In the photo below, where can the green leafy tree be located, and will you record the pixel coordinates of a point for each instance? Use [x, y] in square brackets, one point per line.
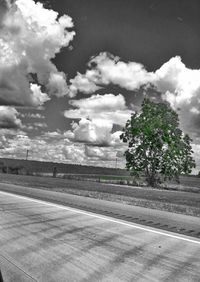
[157, 148]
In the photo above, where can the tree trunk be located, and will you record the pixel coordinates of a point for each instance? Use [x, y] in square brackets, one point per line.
[151, 180]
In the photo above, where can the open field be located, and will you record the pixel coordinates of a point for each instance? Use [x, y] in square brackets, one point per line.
[91, 173]
[174, 201]
[47, 167]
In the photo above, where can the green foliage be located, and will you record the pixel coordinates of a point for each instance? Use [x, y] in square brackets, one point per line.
[157, 148]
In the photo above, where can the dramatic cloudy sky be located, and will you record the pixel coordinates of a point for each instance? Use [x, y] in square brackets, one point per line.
[73, 71]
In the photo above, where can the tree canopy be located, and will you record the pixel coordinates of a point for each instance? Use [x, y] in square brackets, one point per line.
[157, 148]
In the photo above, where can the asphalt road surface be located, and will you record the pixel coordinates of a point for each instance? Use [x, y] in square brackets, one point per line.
[42, 241]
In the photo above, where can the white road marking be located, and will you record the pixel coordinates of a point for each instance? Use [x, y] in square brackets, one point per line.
[137, 226]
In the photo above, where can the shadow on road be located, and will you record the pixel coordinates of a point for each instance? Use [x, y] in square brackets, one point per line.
[1, 277]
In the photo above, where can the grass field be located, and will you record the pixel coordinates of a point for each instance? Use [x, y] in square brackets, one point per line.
[97, 174]
[187, 184]
[174, 201]
[47, 167]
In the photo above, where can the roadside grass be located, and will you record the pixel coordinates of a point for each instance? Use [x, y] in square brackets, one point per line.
[116, 177]
[172, 201]
[187, 184]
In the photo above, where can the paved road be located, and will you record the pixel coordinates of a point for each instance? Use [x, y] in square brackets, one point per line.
[177, 223]
[41, 241]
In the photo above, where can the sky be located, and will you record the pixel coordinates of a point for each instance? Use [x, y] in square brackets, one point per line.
[73, 71]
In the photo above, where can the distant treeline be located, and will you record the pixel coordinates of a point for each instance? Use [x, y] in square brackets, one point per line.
[30, 167]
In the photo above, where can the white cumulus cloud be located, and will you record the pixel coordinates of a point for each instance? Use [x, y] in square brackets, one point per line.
[97, 115]
[101, 154]
[106, 69]
[178, 84]
[9, 118]
[94, 132]
[30, 37]
[108, 108]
